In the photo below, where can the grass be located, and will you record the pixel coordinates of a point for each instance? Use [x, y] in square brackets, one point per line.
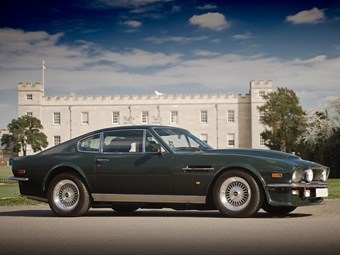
[5, 171]
[10, 195]
[334, 188]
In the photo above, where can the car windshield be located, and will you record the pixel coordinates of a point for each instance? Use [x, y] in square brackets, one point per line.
[181, 140]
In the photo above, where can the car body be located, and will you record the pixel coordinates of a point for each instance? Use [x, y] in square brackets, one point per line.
[152, 166]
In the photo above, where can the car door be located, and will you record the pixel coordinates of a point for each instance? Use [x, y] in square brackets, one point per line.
[193, 172]
[129, 165]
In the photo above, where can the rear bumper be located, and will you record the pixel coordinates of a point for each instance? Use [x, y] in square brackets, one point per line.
[296, 194]
[21, 179]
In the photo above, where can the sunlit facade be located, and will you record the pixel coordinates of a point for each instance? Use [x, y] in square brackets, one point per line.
[222, 120]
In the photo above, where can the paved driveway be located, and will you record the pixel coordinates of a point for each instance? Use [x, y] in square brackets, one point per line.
[35, 230]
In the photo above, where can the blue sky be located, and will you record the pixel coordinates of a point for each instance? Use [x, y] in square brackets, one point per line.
[108, 47]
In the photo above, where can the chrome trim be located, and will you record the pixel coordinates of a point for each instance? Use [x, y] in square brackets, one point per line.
[21, 179]
[148, 198]
[187, 168]
[298, 185]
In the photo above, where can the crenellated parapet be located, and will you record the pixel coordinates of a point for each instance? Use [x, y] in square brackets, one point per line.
[261, 84]
[28, 86]
[145, 99]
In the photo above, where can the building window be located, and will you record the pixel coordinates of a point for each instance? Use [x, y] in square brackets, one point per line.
[56, 140]
[204, 138]
[262, 141]
[204, 116]
[84, 118]
[29, 97]
[56, 118]
[262, 115]
[145, 117]
[115, 118]
[174, 117]
[231, 140]
[262, 94]
[231, 116]
[29, 114]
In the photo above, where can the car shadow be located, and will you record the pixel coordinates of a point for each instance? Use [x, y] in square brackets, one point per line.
[46, 213]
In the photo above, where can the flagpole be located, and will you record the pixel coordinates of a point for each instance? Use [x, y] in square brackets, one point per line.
[43, 76]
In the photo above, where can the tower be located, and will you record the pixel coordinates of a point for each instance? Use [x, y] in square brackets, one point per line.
[30, 99]
[257, 91]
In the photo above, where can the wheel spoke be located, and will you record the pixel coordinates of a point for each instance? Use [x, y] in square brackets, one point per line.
[235, 193]
[66, 195]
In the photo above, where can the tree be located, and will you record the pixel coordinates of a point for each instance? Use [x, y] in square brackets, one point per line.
[318, 130]
[284, 119]
[24, 131]
[321, 140]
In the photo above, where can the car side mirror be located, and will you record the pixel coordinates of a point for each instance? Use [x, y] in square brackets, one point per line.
[155, 147]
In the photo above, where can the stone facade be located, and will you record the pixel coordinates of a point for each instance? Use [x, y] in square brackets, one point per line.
[223, 120]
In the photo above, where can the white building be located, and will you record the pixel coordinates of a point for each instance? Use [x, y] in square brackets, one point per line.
[223, 120]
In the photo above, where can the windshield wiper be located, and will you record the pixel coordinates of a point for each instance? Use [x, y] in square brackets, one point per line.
[188, 149]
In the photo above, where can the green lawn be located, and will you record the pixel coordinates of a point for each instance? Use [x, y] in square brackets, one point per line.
[9, 193]
[334, 188]
[5, 171]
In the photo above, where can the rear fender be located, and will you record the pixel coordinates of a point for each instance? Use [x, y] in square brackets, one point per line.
[61, 168]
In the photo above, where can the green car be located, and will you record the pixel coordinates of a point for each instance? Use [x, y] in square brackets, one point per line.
[132, 167]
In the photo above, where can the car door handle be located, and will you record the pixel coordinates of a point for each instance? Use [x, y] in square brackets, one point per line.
[102, 160]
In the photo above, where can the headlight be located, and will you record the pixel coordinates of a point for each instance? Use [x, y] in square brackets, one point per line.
[297, 175]
[308, 175]
[324, 175]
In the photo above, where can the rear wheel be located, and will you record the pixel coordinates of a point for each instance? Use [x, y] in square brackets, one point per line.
[237, 194]
[68, 196]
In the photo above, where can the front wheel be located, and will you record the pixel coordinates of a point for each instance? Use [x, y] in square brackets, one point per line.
[68, 196]
[237, 194]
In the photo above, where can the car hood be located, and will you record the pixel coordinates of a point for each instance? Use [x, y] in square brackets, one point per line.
[256, 153]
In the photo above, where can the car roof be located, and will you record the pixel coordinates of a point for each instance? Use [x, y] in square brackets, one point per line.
[127, 127]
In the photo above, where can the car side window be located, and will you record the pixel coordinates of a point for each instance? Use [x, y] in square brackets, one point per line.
[90, 144]
[123, 141]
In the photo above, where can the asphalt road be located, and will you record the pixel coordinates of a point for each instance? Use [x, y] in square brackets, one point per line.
[35, 230]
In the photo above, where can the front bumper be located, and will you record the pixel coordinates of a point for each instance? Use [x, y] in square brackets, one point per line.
[297, 194]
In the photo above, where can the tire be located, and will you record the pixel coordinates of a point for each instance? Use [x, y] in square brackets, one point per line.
[237, 194]
[277, 210]
[125, 208]
[68, 196]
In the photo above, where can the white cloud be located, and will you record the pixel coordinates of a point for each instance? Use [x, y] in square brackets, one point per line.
[205, 53]
[175, 39]
[132, 23]
[245, 36]
[316, 59]
[4, 107]
[86, 66]
[137, 58]
[312, 16]
[213, 21]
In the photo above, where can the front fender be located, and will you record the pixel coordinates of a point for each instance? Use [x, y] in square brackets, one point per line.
[243, 166]
[246, 167]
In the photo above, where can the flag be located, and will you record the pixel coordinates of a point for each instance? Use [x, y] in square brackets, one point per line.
[44, 66]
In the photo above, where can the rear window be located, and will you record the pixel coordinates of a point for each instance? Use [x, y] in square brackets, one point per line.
[90, 144]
